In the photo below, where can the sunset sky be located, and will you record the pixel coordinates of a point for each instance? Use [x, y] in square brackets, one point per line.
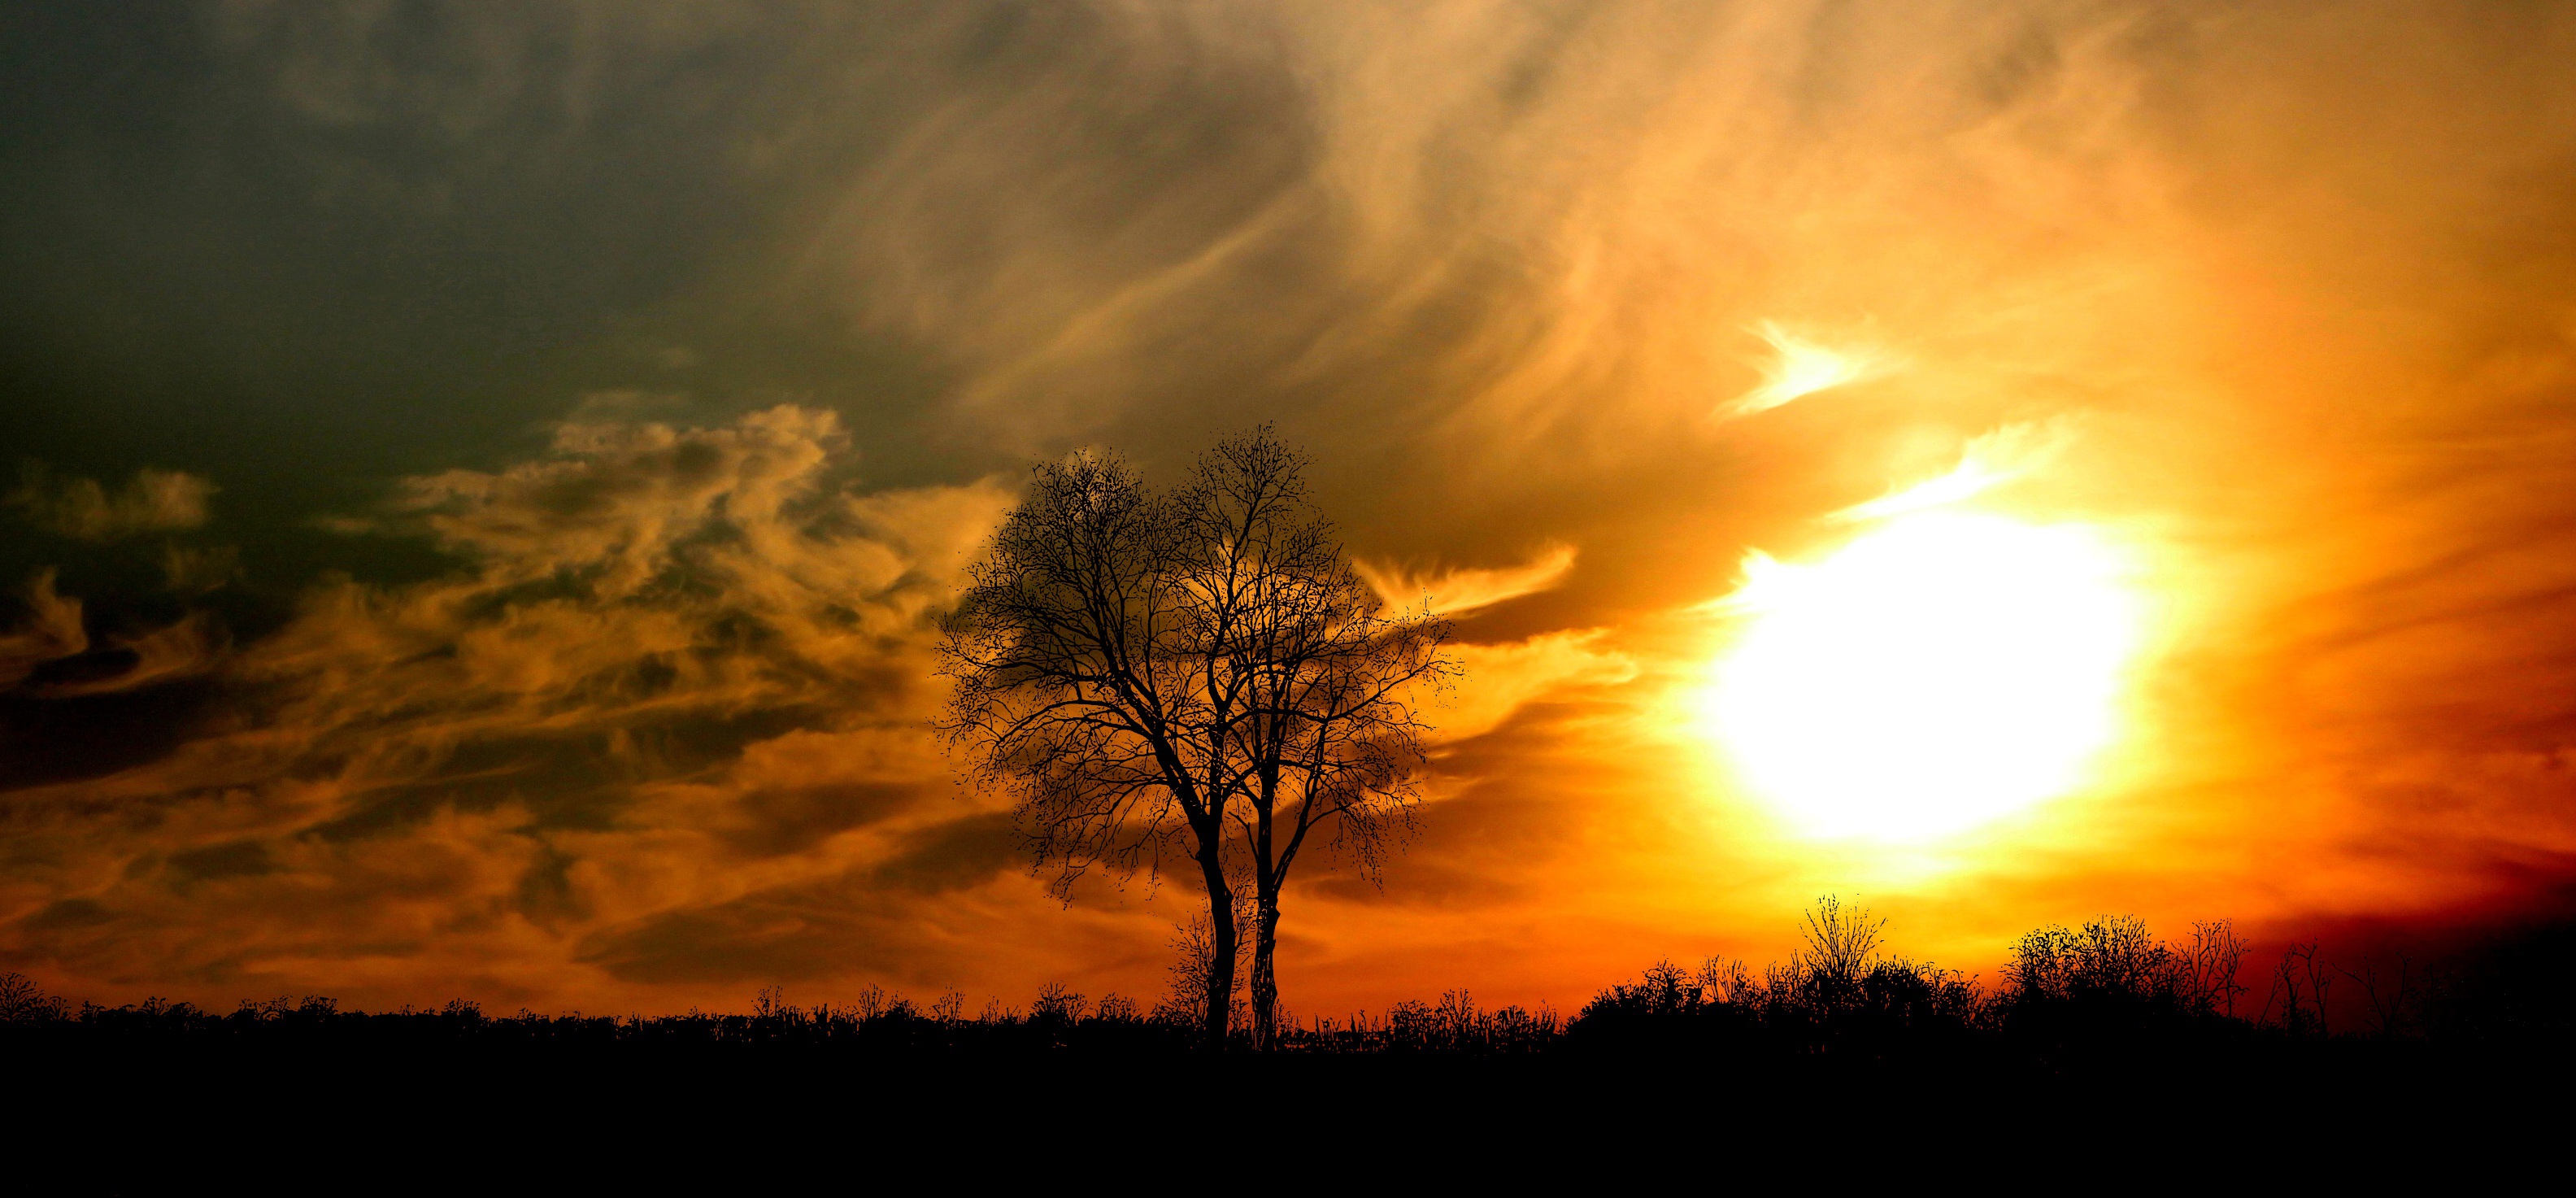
[485, 477]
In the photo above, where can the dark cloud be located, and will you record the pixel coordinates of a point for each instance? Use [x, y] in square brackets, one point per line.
[52, 630]
[153, 501]
[954, 855]
[792, 819]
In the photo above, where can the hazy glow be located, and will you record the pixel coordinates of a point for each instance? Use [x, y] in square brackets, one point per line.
[1932, 675]
[1799, 367]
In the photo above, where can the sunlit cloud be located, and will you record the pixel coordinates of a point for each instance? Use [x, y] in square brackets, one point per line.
[1465, 590]
[1989, 461]
[1799, 367]
[1507, 677]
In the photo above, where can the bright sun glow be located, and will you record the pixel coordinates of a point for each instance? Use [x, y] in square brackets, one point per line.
[1938, 672]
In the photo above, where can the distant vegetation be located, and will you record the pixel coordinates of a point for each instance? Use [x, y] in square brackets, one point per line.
[2069, 999]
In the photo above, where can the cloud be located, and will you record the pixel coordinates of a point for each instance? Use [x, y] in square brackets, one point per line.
[152, 501]
[1461, 591]
[1502, 679]
[674, 666]
[197, 569]
[1799, 368]
[1989, 460]
[51, 631]
[192, 646]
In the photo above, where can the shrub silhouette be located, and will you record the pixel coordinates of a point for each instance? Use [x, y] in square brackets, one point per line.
[2109, 982]
[1839, 996]
[22, 1002]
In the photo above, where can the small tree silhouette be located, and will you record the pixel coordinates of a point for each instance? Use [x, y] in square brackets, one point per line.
[23, 1001]
[2300, 984]
[2216, 955]
[2392, 998]
[1841, 945]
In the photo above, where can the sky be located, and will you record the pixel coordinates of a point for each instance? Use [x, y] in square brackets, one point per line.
[486, 477]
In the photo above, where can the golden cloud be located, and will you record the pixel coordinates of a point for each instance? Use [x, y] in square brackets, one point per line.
[599, 716]
[1461, 590]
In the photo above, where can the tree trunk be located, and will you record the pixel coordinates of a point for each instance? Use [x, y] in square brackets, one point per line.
[1265, 981]
[1221, 951]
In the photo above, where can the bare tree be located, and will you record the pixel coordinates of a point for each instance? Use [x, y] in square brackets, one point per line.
[1196, 674]
[2393, 1002]
[2216, 954]
[2300, 984]
[1840, 944]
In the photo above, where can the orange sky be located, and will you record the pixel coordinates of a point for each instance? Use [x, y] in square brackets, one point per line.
[565, 428]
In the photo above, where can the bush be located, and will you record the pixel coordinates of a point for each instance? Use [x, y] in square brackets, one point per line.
[1838, 996]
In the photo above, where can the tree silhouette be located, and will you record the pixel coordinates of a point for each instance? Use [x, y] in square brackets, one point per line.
[1197, 674]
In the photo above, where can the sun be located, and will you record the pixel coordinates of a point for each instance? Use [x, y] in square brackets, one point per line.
[1942, 670]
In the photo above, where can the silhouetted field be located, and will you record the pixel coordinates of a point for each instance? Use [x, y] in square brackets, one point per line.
[2101, 1021]
[2067, 998]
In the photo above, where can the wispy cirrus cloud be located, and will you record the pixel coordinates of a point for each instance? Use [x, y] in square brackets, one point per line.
[1464, 590]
